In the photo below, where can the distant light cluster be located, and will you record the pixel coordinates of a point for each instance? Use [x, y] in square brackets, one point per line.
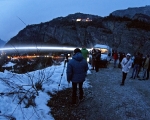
[83, 20]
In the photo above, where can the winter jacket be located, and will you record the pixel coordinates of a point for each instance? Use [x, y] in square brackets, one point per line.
[126, 65]
[77, 68]
[85, 53]
[138, 60]
[98, 55]
[93, 54]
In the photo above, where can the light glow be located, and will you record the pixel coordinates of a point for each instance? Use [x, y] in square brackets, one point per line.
[41, 48]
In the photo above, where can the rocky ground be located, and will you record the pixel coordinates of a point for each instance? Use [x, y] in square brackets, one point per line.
[106, 99]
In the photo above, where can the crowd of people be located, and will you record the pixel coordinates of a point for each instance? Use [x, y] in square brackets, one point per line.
[138, 62]
[77, 67]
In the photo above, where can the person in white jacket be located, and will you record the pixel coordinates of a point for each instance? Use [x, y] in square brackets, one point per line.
[126, 64]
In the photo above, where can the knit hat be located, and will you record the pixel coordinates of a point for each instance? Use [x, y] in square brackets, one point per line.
[77, 50]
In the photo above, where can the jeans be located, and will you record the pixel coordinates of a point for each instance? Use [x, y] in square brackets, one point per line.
[115, 62]
[135, 70]
[144, 73]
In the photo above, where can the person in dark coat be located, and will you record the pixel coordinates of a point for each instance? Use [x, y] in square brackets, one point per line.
[76, 73]
[141, 64]
[136, 67]
[93, 58]
[97, 60]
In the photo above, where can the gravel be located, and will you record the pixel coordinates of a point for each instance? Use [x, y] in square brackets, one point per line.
[105, 99]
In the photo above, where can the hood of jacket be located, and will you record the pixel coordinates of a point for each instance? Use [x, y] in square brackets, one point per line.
[78, 56]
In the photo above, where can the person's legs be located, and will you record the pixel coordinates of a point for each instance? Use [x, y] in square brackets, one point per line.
[123, 77]
[147, 77]
[115, 61]
[93, 64]
[139, 69]
[133, 72]
[96, 66]
[74, 92]
[144, 73]
[80, 91]
[136, 71]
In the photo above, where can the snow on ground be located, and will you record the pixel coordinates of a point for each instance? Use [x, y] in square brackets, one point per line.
[51, 77]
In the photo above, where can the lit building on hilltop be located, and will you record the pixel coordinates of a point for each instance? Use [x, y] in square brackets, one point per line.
[83, 20]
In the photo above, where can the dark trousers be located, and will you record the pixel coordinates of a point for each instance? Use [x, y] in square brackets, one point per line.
[147, 77]
[97, 65]
[135, 71]
[93, 64]
[124, 75]
[74, 91]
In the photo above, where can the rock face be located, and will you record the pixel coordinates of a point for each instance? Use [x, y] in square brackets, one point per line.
[120, 30]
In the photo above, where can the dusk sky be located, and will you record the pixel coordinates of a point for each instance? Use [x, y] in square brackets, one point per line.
[16, 14]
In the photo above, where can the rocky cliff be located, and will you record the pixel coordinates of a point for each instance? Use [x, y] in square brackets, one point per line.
[122, 33]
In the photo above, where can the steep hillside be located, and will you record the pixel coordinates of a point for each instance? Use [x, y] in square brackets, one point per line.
[121, 33]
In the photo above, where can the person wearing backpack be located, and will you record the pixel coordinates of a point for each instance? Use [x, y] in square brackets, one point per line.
[97, 59]
[93, 58]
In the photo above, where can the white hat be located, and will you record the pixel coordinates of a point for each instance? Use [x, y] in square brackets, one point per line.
[128, 54]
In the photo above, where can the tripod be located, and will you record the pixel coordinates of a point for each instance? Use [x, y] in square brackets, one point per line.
[65, 62]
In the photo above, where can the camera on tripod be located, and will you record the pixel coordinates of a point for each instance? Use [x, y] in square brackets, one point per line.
[66, 57]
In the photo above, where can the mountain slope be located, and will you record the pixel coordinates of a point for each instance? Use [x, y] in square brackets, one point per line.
[121, 33]
[130, 12]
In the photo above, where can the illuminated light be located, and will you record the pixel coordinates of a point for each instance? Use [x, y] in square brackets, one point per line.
[79, 19]
[8, 57]
[41, 48]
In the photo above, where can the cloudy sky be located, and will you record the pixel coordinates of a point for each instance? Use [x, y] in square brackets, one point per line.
[16, 14]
